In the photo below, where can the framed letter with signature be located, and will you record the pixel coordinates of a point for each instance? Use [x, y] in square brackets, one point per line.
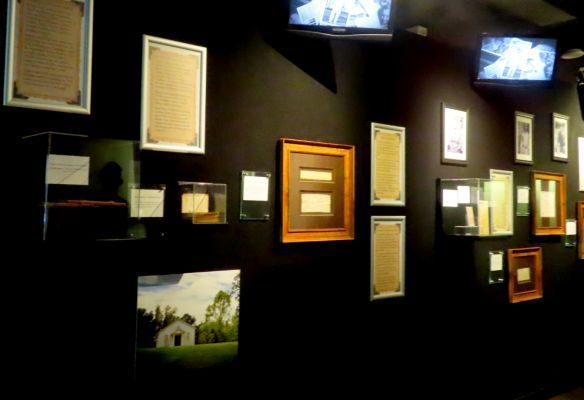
[48, 55]
[318, 191]
[525, 267]
[387, 257]
[388, 151]
[173, 96]
[548, 191]
[454, 135]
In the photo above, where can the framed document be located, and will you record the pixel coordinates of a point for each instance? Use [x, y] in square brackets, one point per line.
[580, 206]
[522, 201]
[496, 261]
[255, 201]
[501, 196]
[318, 191]
[525, 281]
[173, 96]
[548, 199]
[387, 257]
[388, 150]
[48, 55]
[581, 164]
[454, 135]
[523, 138]
[560, 127]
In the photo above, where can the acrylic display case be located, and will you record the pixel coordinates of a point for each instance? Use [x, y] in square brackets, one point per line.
[203, 203]
[77, 187]
[474, 207]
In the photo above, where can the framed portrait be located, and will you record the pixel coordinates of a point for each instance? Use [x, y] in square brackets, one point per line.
[317, 191]
[560, 126]
[580, 206]
[173, 96]
[454, 135]
[48, 55]
[387, 257]
[525, 274]
[523, 138]
[548, 199]
[502, 198]
[388, 150]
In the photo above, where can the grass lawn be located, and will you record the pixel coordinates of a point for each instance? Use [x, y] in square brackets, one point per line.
[171, 359]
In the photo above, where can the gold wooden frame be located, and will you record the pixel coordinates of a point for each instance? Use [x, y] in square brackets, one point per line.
[580, 206]
[560, 227]
[513, 257]
[344, 232]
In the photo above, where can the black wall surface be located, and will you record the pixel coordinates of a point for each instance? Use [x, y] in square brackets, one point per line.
[305, 309]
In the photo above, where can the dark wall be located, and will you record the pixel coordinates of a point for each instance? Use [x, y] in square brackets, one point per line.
[305, 308]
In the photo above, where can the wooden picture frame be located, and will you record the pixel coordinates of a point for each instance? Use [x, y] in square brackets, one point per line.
[561, 137]
[523, 138]
[317, 191]
[580, 212]
[502, 198]
[454, 135]
[388, 165]
[548, 199]
[49, 55]
[388, 235]
[174, 79]
[525, 274]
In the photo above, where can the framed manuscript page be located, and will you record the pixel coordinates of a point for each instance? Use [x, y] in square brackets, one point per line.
[501, 197]
[548, 199]
[388, 150]
[525, 267]
[581, 229]
[173, 96]
[387, 257]
[318, 191]
[48, 55]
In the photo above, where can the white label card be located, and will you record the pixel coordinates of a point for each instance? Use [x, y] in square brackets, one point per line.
[67, 170]
[256, 188]
[449, 198]
[463, 194]
[522, 196]
[147, 203]
[570, 228]
[497, 262]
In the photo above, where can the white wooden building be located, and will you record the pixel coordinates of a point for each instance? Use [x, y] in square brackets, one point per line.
[179, 333]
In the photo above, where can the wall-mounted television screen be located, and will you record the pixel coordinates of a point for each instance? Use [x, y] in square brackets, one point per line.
[342, 17]
[516, 59]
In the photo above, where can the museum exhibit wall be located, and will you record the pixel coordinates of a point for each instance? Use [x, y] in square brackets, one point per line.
[305, 307]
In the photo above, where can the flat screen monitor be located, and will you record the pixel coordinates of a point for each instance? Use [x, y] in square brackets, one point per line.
[516, 59]
[342, 17]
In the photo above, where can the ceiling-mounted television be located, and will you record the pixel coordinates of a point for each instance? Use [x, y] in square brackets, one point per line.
[349, 18]
[516, 59]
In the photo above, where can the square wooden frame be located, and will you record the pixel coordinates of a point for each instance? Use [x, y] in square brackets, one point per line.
[559, 229]
[347, 153]
[521, 117]
[557, 155]
[446, 133]
[401, 222]
[401, 133]
[512, 256]
[15, 97]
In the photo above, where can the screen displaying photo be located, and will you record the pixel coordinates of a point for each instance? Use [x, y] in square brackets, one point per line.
[369, 14]
[515, 58]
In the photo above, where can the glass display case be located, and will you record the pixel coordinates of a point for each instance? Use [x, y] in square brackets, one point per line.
[77, 187]
[203, 203]
[468, 208]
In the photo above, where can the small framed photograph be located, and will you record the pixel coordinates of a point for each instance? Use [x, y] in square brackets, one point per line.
[48, 55]
[525, 276]
[387, 257]
[454, 135]
[523, 138]
[561, 137]
[317, 191]
[502, 198]
[388, 165]
[548, 199]
[173, 96]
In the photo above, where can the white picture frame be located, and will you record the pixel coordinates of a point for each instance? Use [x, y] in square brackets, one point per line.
[523, 138]
[581, 164]
[388, 235]
[454, 135]
[173, 125]
[57, 77]
[388, 165]
[502, 202]
[561, 137]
